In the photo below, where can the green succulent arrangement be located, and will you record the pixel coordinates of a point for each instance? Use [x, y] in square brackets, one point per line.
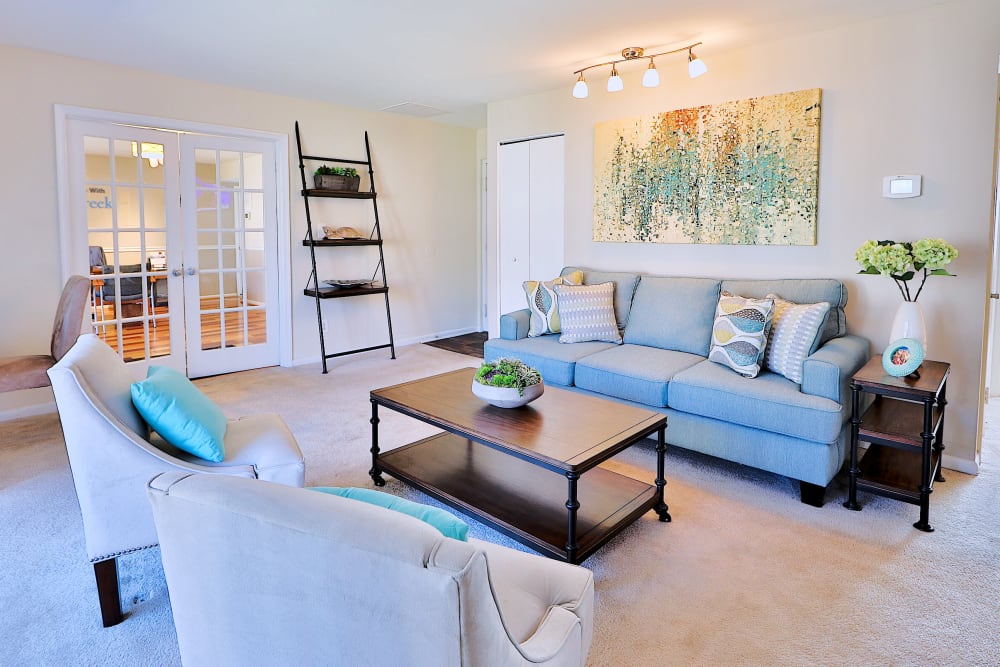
[507, 372]
[902, 261]
[336, 171]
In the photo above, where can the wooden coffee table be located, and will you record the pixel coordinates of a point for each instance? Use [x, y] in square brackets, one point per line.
[497, 464]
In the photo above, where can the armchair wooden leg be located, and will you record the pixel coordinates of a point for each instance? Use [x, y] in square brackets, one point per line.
[106, 573]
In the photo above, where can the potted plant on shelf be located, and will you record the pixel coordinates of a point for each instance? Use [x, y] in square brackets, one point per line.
[507, 383]
[337, 178]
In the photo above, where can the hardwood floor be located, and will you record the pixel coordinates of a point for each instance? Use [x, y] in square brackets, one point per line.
[133, 333]
[470, 344]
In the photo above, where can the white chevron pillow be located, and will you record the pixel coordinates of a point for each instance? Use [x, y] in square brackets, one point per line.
[794, 330]
[587, 313]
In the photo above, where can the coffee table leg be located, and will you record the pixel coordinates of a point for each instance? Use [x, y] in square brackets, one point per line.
[661, 447]
[376, 471]
[572, 505]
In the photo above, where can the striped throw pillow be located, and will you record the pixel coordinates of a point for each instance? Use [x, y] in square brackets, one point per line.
[587, 313]
[543, 302]
[794, 333]
[739, 333]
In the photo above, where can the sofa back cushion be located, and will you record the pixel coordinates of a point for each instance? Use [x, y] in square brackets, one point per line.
[801, 290]
[673, 313]
[624, 288]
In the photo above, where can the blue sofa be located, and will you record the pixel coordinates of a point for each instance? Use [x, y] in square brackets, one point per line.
[768, 422]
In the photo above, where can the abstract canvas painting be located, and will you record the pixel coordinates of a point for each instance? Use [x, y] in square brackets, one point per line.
[737, 173]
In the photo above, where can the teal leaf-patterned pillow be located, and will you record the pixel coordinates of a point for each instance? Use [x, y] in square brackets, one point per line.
[794, 335]
[543, 302]
[739, 334]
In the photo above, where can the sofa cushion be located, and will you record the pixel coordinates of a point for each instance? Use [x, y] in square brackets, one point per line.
[794, 336]
[587, 313]
[739, 333]
[556, 362]
[633, 372]
[769, 402]
[543, 302]
[674, 314]
[802, 290]
[625, 284]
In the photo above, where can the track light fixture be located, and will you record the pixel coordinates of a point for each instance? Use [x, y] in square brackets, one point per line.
[651, 79]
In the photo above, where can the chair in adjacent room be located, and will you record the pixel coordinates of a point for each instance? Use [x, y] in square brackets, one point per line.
[112, 455]
[268, 575]
[28, 371]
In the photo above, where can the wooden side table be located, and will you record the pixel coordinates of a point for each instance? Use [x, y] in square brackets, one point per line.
[904, 427]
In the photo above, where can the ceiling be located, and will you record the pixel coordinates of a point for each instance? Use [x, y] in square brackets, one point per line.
[450, 55]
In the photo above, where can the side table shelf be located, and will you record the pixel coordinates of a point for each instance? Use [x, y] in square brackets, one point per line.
[904, 427]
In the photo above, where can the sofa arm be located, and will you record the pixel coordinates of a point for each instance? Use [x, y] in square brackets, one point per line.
[827, 371]
[514, 326]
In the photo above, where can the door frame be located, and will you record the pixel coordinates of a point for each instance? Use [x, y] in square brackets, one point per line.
[70, 264]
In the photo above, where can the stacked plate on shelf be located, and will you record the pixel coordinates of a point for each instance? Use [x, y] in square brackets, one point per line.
[360, 282]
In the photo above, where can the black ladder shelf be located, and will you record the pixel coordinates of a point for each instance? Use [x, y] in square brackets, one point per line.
[313, 287]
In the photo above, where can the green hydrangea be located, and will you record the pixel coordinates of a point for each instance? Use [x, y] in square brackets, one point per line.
[934, 253]
[902, 261]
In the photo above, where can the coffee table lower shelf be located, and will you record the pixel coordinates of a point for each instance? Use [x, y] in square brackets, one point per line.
[518, 498]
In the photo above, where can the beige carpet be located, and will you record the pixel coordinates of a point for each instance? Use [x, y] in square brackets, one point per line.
[744, 575]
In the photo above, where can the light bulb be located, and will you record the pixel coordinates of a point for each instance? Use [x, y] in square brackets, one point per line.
[614, 81]
[580, 90]
[154, 163]
[651, 79]
[696, 67]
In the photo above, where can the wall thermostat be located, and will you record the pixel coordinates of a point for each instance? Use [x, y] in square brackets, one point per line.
[900, 187]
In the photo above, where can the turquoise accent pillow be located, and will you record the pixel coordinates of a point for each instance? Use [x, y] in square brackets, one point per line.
[181, 413]
[447, 523]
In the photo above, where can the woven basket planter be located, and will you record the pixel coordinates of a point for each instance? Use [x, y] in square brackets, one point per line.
[335, 182]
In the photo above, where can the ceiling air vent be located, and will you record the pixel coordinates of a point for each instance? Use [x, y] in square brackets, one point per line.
[411, 109]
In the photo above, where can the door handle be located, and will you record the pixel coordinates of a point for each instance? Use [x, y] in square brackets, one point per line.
[994, 295]
[191, 272]
[176, 272]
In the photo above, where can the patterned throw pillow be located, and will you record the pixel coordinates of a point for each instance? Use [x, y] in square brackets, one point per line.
[543, 304]
[739, 333]
[793, 336]
[587, 313]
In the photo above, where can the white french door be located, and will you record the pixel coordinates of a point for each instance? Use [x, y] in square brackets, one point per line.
[183, 281]
[230, 253]
[125, 218]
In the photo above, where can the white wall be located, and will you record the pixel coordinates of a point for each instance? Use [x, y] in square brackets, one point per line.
[914, 93]
[426, 177]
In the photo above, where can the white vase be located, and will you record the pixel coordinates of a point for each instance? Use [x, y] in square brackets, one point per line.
[909, 323]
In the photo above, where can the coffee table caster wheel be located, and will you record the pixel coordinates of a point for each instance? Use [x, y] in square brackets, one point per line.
[663, 513]
[378, 479]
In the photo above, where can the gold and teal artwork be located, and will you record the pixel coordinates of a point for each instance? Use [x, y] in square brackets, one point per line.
[737, 173]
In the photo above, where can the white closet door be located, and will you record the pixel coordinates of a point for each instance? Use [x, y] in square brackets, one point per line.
[513, 189]
[530, 196]
[546, 199]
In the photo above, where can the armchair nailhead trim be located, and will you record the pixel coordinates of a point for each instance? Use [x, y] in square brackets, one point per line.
[122, 553]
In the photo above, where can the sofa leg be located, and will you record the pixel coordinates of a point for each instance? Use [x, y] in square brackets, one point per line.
[812, 494]
[106, 573]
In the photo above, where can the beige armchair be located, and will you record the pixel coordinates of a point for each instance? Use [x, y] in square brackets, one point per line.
[261, 574]
[112, 457]
[28, 371]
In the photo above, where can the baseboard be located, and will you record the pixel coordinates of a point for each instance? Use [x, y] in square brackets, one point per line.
[959, 464]
[28, 411]
[402, 342]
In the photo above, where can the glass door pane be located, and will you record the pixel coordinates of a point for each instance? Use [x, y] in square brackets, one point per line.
[125, 181]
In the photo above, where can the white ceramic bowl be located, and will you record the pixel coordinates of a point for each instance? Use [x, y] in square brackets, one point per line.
[507, 397]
